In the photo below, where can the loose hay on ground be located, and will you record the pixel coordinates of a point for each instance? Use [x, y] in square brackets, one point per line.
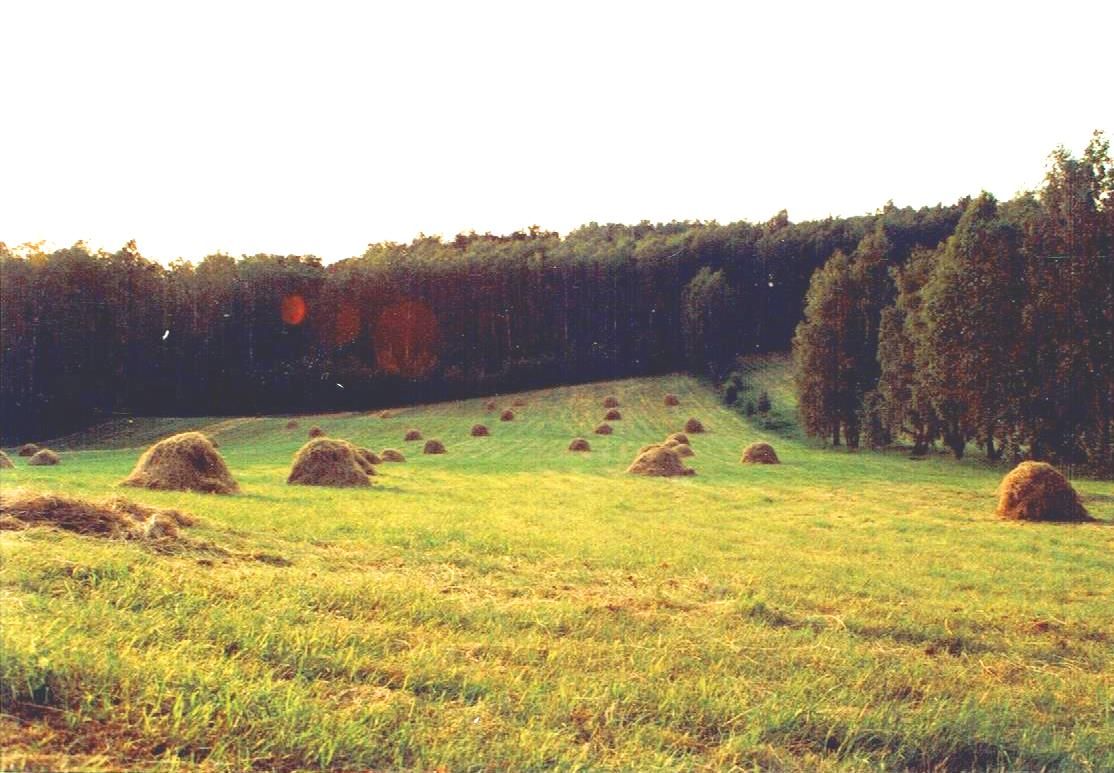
[1036, 491]
[433, 446]
[659, 461]
[113, 517]
[579, 444]
[183, 462]
[759, 453]
[479, 430]
[44, 458]
[329, 462]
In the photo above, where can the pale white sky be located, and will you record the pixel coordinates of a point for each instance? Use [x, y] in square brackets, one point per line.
[318, 127]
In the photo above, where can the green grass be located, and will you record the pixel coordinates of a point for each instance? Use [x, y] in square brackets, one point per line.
[510, 605]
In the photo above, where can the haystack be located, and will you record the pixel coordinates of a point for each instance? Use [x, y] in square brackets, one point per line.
[579, 444]
[367, 459]
[5, 462]
[759, 453]
[694, 426]
[479, 430]
[328, 462]
[660, 462]
[490, 405]
[1036, 491]
[613, 415]
[392, 455]
[292, 424]
[28, 449]
[184, 462]
[507, 415]
[672, 399]
[413, 434]
[44, 458]
[316, 432]
[611, 401]
[603, 429]
[115, 517]
[433, 446]
[677, 438]
[682, 450]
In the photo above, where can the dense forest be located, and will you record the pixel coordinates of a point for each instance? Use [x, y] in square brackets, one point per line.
[1001, 335]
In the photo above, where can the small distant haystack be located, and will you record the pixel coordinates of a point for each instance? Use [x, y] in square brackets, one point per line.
[328, 462]
[490, 405]
[611, 401]
[659, 461]
[392, 455]
[1036, 491]
[682, 450]
[316, 432]
[604, 429]
[433, 446]
[507, 415]
[44, 458]
[672, 399]
[579, 444]
[694, 426]
[183, 462]
[292, 424]
[413, 434]
[759, 453]
[519, 403]
[28, 449]
[613, 415]
[479, 430]
[5, 462]
[677, 438]
[115, 517]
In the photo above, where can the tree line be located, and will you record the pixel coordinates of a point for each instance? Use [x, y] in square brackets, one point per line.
[88, 334]
[1001, 335]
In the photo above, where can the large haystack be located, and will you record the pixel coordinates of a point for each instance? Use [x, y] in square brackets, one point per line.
[44, 458]
[611, 401]
[433, 446]
[392, 455]
[184, 462]
[604, 429]
[316, 432]
[507, 415]
[613, 415]
[328, 462]
[759, 453]
[677, 438]
[579, 444]
[5, 462]
[672, 399]
[1036, 491]
[659, 461]
[292, 424]
[694, 426]
[114, 517]
[28, 449]
[413, 434]
[479, 430]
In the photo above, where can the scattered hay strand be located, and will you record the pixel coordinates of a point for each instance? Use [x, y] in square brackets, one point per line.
[659, 461]
[113, 517]
[28, 449]
[760, 453]
[433, 446]
[579, 444]
[1036, 491]
[5, 462]
[507, 415]
[611, 401]
[694, 426]
[604, 429]
[44, 458]
[413, 434]
[479, 430]
[392, 455]
[672, 399]
[328, 462]
[316, 432]
[183, 462]
[613, 415]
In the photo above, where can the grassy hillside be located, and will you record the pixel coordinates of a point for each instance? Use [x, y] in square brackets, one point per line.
[512, 605]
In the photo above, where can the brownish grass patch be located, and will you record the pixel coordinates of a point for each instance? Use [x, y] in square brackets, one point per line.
[183, 462]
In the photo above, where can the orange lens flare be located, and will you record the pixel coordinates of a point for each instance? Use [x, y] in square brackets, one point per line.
[407, 339]
[293, 309]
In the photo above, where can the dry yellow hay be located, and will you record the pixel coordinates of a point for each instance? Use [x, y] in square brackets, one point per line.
[1036, 491]
[114, 517]
[183, 462]
[328, 462]
[659, 461]
[44, 458]
[5, 462]
[760, 453]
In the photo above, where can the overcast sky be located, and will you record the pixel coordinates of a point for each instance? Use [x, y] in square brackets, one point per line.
[319, 127]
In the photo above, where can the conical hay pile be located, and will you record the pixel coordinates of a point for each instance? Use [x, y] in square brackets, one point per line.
[694, 426]
[579, 444]
[5, 462]
[759, 453]
[28, 449]
[1036, 491]
[672, 399]
[433, 446]
[507, 415]
[604, 429]
[328, 462]
[659, 462]
[413, 434]
[479, 430]
[44, 458]
[392, 455]
[613, 415]
[316, 432]
[183, 462]
[611, 401]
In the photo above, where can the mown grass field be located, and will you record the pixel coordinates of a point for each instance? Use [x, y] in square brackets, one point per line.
[510, 605]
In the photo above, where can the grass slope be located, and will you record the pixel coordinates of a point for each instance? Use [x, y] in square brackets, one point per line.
[512, 605]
